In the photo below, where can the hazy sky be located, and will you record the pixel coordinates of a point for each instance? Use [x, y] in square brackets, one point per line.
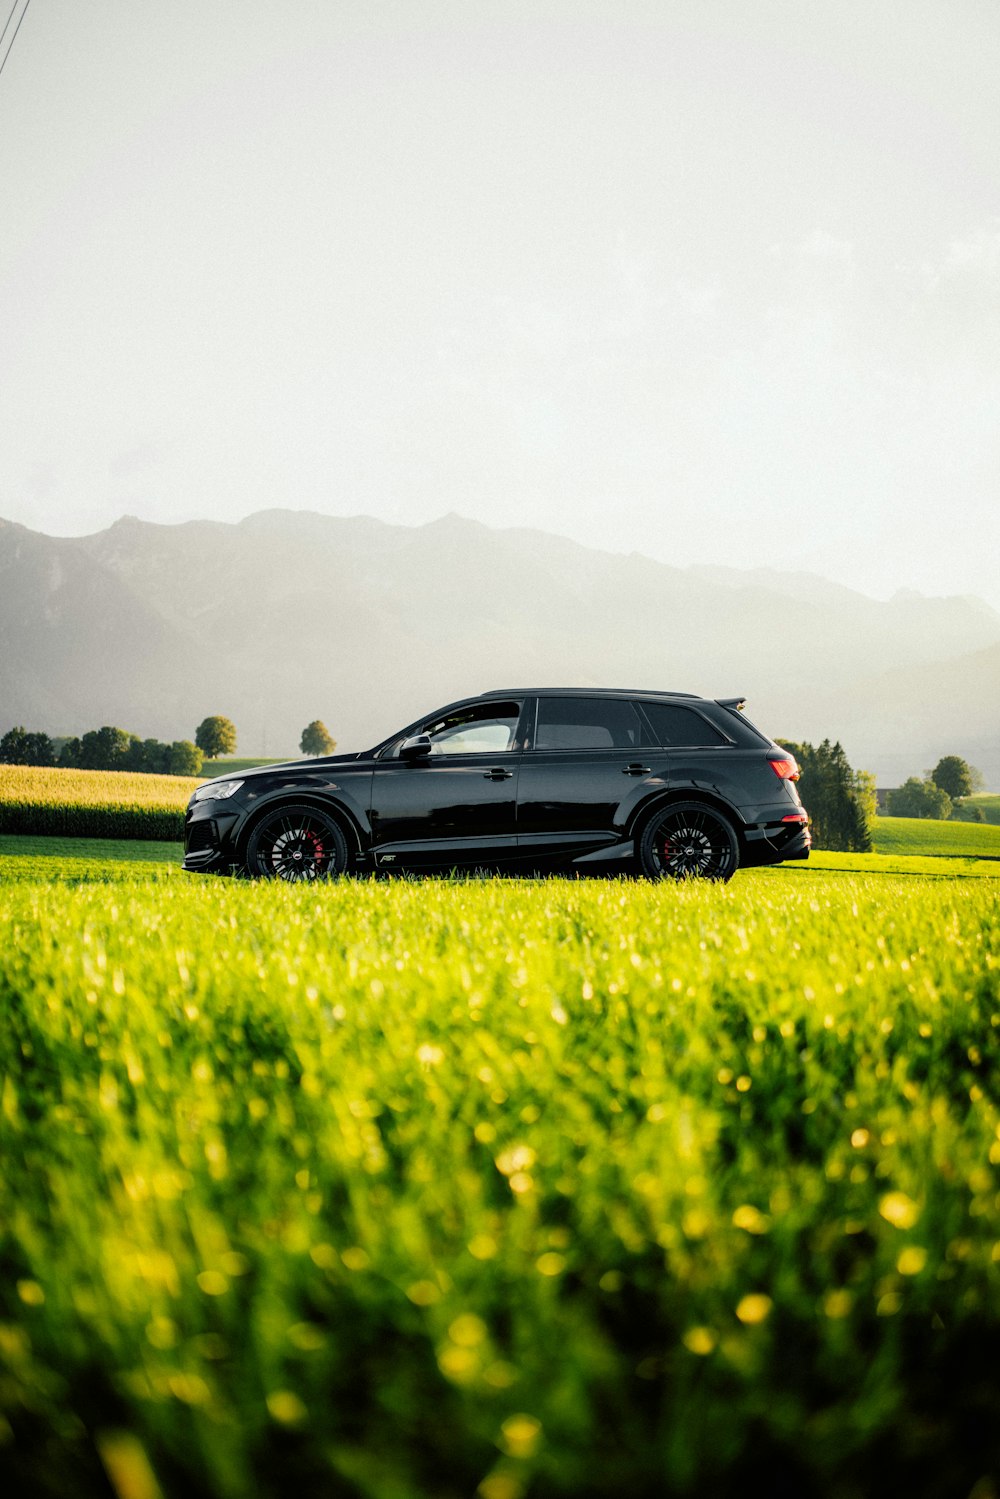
[715, 280]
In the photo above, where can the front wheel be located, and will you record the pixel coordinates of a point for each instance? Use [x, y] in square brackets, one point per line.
[296, 844]
[689, 840]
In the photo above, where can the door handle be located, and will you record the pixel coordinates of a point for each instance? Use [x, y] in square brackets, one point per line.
[635, 770]
[497, 774]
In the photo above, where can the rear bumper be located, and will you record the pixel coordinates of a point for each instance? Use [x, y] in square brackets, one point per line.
[773, 842]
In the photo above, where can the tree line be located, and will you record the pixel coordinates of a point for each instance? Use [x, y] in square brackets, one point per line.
[840, 800]
[107, 748]
[111, 748]
[940, 793]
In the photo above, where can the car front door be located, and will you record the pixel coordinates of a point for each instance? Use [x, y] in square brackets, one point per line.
[456, 806]
[585, 759]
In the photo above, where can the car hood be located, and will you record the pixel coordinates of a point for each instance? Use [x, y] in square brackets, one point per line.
[257, 771]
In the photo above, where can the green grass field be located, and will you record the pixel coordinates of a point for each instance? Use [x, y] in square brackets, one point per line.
[92, 859]
[505, 1188]
[109, 859]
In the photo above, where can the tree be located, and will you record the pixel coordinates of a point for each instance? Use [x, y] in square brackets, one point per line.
[839, 800]
[916, 798]
[40, 751]
[317, 739]
[13, 746]
[106, 748]
[184, 758]
[148, 756]
[867, 794]
[19, 747]
[216, 736]
[69, 754]
[954, 776]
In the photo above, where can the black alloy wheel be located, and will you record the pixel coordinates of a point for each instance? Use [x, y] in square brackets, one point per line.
[296, 844]
[689, 841]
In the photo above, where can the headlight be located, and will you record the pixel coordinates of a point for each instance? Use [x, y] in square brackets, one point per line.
[216, 791]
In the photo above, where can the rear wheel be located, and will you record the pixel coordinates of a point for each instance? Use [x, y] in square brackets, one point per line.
[296, 844]
[689, 840]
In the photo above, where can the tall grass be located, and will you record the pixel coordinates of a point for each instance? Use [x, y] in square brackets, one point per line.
[568, 1188]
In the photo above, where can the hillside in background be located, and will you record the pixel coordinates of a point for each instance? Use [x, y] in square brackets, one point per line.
[289, 616]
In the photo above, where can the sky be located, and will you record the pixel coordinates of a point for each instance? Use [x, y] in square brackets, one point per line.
[714, 281]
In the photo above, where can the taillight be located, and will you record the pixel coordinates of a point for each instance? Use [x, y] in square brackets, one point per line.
[796, 817]
[785, 768]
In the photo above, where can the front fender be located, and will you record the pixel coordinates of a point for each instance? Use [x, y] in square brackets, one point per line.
[348, 796]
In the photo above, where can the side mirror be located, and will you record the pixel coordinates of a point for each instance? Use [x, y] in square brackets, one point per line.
[416, 747]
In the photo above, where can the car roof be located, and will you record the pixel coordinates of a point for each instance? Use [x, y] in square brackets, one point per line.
[586, 692]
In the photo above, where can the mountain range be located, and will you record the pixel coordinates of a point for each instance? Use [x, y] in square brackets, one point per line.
[289, 616]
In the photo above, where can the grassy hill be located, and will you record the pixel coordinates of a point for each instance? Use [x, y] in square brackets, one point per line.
[913, 835]
[988, 802]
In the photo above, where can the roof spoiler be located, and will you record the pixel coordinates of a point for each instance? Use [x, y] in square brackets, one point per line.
[736, 703]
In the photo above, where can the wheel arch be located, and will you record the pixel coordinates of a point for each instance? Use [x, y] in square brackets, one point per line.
[648, 810]
[335, 810]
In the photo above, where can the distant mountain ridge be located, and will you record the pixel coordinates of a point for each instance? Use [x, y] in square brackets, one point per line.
[291, 615]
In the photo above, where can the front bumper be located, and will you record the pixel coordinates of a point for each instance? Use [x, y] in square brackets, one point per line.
[209, 845]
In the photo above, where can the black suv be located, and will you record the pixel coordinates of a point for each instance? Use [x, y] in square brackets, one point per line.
[530, 779]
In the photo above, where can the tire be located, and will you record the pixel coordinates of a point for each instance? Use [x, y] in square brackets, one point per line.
[689, 840]
[298, 844]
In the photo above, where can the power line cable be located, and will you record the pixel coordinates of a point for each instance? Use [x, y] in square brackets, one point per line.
[16, 30]
[3, 33]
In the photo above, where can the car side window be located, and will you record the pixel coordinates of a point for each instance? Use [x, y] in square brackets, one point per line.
[674, 726]
[586, 723]
[484, 729]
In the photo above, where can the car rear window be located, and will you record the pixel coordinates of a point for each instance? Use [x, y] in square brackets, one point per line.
[672, 725]
[586, 723]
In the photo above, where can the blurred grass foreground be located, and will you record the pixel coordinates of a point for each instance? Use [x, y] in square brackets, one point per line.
[414, 1191]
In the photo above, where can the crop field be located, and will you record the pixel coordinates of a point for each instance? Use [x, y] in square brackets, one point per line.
[419, 1190]
[93, 803]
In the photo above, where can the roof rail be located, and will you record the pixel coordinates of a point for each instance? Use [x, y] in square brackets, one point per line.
[592, 692]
